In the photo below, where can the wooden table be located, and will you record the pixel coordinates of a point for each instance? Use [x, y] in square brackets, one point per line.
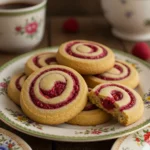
[91, 28]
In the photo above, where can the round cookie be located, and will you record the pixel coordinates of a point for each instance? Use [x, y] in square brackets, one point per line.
[90, 116]
[53, 95]
[122, 102]
[122, 72]
[40, 60]
[15, 86]
[86, 57]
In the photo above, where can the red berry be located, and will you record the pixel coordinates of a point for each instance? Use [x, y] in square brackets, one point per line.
[141, 50]
[71, 25]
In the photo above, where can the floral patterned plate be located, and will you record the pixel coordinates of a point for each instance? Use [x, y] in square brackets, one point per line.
[137, 141]
[14, 117]
[9, 141]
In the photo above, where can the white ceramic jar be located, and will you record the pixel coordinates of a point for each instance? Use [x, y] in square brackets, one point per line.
[130, 19]
[22, 29]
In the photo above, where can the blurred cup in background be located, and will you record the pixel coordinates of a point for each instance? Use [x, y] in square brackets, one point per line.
[130, 19]
[22, 24]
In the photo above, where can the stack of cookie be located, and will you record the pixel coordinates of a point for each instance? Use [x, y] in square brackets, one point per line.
[81, 84]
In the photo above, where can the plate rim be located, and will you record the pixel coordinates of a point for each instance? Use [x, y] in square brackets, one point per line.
[19, 140]
[93, 138]
[118, 142]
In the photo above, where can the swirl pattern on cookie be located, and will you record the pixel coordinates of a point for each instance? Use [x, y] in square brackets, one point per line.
[86, 50]
[40, 60]
[122, 72]
[54, 94]
[15, 86]
[119, 100]
[87, 57]
[91, 115]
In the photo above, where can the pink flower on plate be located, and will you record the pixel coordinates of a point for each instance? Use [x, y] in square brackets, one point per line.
[96, 132]
[137, 140]
[147, 137]
[31, 28]
[3, 84]
[10, 146]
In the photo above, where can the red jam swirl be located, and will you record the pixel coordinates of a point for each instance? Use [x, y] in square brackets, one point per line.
[17, 83]
[70, 98]
[108, 103]
[101, 76]
[116, 96]
[57, 89]
[89, 107]
[92, 47]
[48, 61]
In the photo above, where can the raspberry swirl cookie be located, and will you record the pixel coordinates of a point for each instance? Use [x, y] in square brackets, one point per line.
[40, 60]
[90, 116]
[15, 86]
[53, 95]
[86, 57]
[122, 102]
[122, 72]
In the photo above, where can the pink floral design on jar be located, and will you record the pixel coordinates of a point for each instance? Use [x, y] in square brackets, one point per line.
[18, 28]
[30, 29]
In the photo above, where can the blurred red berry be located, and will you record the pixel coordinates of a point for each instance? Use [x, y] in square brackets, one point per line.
[141, 50]
[71, 25]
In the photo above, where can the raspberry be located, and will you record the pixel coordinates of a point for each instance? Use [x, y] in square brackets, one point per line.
[71, 25]
[141, 50]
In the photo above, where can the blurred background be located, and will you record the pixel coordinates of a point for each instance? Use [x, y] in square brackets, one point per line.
[73, 8]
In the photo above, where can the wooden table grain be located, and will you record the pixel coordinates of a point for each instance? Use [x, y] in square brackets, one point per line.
[93, 28]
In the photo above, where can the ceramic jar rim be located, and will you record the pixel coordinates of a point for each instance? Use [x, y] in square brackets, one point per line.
[37, 6]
